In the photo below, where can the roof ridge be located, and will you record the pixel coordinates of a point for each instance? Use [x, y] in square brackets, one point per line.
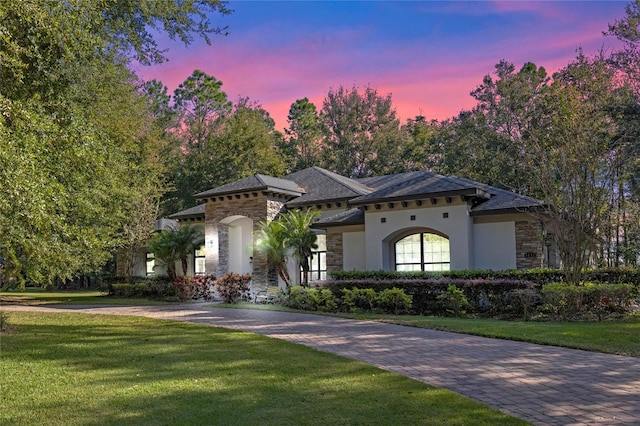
[331, 175]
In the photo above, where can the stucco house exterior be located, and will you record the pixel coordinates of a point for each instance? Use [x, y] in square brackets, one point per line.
[409, 221]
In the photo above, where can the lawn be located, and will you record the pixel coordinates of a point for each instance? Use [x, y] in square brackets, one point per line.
[620, 337]
[38, 296]
[78, 369]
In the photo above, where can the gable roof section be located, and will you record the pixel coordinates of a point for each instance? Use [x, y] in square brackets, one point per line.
[416, 185]
[196, 212]
[349, 217]
[256, 182]
[503, 201]
[324, 186]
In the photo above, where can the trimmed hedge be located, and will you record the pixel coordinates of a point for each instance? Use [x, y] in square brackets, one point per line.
[491, 297]
[538, 276]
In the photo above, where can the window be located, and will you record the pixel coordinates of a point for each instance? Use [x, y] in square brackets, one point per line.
[422, 252]
[151, 264]
[318, 261]
[199, 261]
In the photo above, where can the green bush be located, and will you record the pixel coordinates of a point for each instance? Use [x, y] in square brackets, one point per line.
[455, 301]
[394, 301]
[588, 299]
[360, 299]
[302, 298]
[326, 300]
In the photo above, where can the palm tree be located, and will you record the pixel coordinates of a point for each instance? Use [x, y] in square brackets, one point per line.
[301, 237]
[175, 244]
[187, 238]
[162, 245]
[271, 241]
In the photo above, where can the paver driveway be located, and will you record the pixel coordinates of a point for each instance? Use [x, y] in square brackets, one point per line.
[542, 384]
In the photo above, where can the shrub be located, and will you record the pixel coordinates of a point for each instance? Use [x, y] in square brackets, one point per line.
[524, 301]
[326, 300]
[588, 299]
[302, 298]
[455, 301]
[394, 301]
[196, 287]
[360, 299]
[233, 287]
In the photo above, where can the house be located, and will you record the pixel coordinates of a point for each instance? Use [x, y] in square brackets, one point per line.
[408, 221]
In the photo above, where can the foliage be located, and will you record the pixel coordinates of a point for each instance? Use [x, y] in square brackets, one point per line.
[455, 300]
[576, 301]
[394, 301]
[290, 231]
[271, 243]
[300, 237]
[359, 299]
[303, 142]
[76, 141]
[233, 287]
[176, 244]
[362, 136]
[194, 287]
[310, 299]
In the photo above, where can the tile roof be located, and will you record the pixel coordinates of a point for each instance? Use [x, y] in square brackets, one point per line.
[256, 182]
[349, 217]
[321, 185]
[419, 184]
[192, 212]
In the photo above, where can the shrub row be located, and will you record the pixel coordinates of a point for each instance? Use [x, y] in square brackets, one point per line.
[502, 298]
[392, 300]
[538, 276]
[150, 288]
[492, 297]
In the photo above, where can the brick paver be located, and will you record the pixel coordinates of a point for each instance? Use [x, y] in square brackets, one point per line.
[541, 384]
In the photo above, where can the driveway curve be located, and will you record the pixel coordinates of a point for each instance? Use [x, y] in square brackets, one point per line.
[544, 385]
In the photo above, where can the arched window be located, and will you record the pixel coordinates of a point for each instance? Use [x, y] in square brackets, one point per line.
[422, 252]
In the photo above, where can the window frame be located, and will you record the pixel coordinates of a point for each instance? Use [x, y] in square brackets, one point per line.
[422, 263]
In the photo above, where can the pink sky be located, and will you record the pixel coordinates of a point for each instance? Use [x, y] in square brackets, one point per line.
[428, 55]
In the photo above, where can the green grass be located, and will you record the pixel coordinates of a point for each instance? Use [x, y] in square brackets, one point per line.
[78, 369]
[38, 296]
[620, 337]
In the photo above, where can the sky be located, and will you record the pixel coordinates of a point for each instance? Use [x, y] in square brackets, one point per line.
[429, 55]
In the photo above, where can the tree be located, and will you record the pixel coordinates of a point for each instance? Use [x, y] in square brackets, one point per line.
[362, 135]
[304, 137]
[507, 106]
[201, 102]
[175, 244]
[74, 130]
[570, 155]
[290, 231]
[271, 242]
[300, 237]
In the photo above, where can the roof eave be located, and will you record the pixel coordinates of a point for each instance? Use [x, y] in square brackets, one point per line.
[471, 192]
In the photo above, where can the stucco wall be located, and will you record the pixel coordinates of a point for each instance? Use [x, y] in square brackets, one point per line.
[355, 251]
[494, 245]
[451, 220]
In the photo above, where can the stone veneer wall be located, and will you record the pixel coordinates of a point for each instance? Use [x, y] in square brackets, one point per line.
[257, 206]
[529, 249]
[334, 251]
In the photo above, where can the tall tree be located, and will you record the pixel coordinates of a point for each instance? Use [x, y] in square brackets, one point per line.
[73, 132]
[570, 154]
[362, 136]
[303, 141]
[201, 102]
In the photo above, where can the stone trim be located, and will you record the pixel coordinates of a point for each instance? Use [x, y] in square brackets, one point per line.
[529, 247]
[335, 250]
